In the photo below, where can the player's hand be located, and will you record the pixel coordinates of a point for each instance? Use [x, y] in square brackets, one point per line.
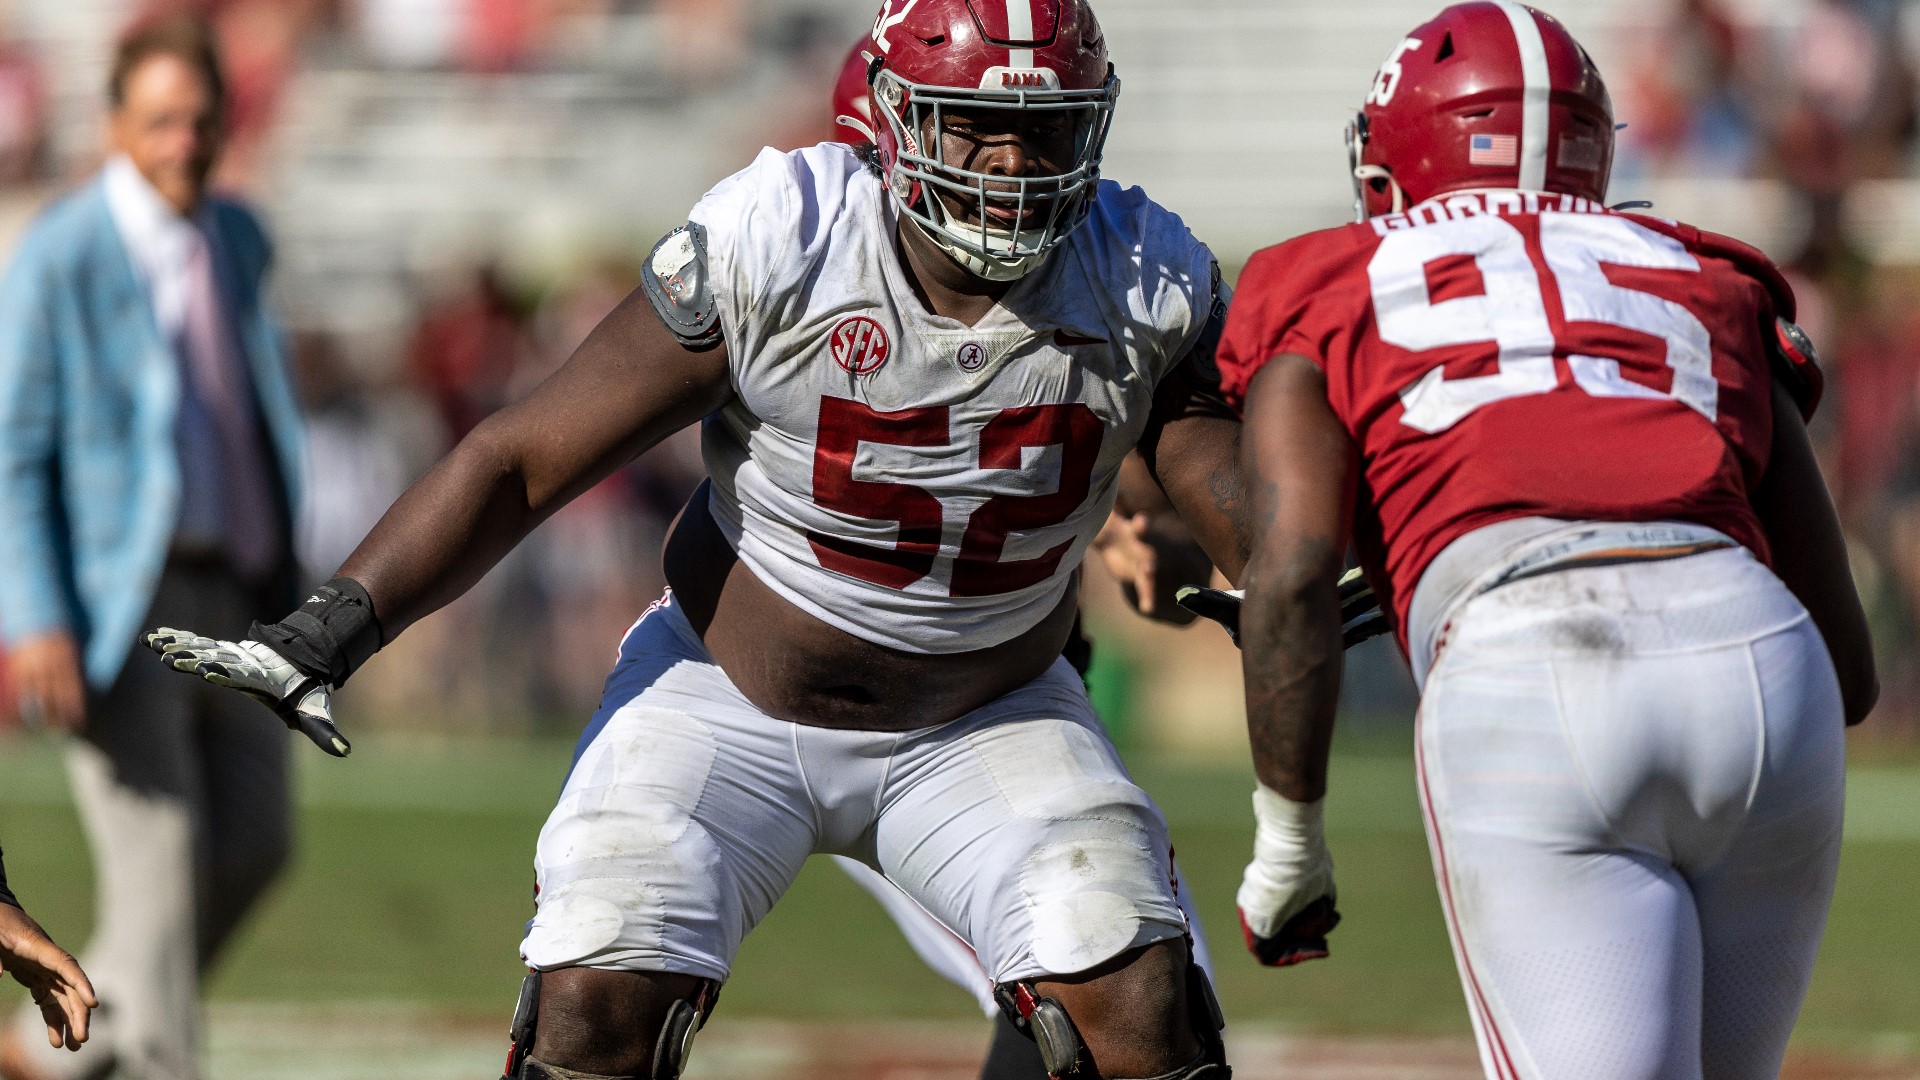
[51, 976]
[46, 669]
[1286, 897]
[1123, 549]
[1220, 605]
[1148, 558]
[1360, 614]
[304, 702]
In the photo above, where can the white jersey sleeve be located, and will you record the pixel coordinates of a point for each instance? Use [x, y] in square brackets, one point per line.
[1160, 280]
[915, 481]
[767, 227]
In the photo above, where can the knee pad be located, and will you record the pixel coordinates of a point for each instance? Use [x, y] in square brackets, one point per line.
[1046, 1022]
[671, 1049]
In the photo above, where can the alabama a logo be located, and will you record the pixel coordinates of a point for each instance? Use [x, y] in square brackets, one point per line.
[859, 344]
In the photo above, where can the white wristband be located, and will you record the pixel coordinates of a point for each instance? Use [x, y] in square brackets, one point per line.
[1291, 866]
[1287, 820]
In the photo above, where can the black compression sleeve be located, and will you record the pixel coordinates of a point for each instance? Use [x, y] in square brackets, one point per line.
[1203, 369]
[331, 635]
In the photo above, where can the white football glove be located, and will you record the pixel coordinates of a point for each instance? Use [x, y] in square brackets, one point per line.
[1286, 896]
[302, 701]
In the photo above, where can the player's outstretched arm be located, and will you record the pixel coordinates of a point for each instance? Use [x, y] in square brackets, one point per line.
[1301, 471]
[1810, 554]
[629, 385]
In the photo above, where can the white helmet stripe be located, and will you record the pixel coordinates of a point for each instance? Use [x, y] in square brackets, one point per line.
[1019, 28]
[1539, 91]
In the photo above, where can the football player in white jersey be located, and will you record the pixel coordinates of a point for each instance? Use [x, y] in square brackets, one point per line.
[1144, 546]
[918, 375]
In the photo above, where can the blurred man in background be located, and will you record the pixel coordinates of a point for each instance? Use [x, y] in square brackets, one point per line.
[148, 442]
[59, 989]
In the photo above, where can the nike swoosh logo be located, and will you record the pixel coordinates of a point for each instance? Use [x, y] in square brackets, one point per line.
[1067, 341]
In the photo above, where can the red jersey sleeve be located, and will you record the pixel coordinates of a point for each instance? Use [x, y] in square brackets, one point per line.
[1283, 305]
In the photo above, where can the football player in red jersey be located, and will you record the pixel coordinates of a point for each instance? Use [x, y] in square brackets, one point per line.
[918, 374]
[1569, 445]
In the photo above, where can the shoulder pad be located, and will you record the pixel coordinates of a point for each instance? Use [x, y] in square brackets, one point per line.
[1751, 260]
[677, 283]
[1797, 366]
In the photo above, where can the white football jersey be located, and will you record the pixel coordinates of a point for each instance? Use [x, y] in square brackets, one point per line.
[919, 483]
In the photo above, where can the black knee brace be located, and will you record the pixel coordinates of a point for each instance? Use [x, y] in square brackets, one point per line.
[670, 1051]
[520, 1033]
[1046, 1022]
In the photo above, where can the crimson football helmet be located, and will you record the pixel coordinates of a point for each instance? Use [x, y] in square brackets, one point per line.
[1042, 58]
[853, 97]
[1487, 94]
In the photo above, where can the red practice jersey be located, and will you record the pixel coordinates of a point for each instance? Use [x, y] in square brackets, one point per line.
[1505, 354]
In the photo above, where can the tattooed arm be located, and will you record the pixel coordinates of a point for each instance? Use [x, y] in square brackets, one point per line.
[1303, 469]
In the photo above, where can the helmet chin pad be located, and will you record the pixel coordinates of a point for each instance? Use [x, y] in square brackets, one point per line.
[992, 260]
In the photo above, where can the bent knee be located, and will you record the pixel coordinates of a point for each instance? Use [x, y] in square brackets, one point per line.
[1134, 1014]
[608, 1023]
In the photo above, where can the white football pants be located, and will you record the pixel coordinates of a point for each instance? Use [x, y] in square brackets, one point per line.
[1632, 779]
[943, 951]
[688, 812]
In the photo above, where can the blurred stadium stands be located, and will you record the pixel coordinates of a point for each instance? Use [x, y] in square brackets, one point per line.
[458, 188]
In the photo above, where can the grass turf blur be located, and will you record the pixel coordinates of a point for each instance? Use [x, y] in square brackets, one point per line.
[413, 878]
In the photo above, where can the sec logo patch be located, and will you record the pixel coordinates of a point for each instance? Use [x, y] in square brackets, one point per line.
[971, 357]
[859, 344]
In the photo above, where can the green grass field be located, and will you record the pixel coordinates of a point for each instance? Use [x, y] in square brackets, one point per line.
[413, 879]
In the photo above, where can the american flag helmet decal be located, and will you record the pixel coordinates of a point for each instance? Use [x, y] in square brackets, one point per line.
[1492, 150]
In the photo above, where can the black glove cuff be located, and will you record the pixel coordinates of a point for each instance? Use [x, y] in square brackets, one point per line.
[331, 635]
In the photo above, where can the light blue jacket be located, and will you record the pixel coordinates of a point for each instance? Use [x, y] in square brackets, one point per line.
[89, 469]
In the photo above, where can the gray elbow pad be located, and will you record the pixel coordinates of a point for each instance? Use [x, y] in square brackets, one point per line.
[676, 282]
